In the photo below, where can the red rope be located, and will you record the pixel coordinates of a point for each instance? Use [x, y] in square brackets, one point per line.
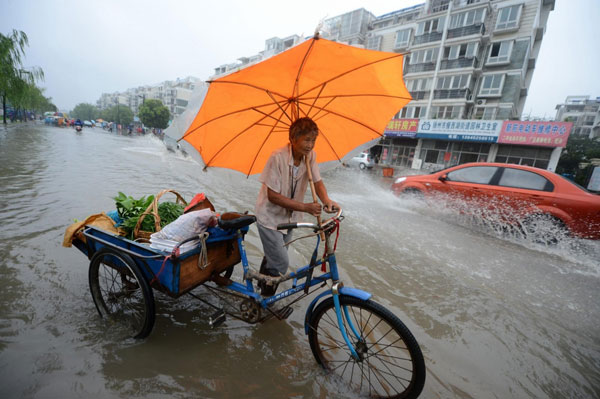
[337, 235]
[337, 228]
[173, 255]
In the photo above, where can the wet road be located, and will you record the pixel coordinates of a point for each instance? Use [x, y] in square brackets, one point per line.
[496, 317]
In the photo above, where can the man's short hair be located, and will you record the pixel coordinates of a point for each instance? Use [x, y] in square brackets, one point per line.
[302, 126]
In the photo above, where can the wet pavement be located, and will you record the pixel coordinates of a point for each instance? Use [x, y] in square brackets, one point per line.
[495, 316]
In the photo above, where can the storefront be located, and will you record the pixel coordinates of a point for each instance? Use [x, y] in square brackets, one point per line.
[438, 143]
[442, 153]
[397, 147]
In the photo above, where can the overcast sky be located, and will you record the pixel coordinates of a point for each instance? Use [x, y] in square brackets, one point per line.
[90, 47]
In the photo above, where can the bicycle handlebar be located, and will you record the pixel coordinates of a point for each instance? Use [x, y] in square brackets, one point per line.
[314, 226]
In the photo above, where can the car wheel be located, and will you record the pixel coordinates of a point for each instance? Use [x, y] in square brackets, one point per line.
[412, 193]
[544, 229]
[362, 166]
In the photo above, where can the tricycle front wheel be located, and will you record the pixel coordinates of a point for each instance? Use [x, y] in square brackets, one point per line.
[121, 293]
[390, 363]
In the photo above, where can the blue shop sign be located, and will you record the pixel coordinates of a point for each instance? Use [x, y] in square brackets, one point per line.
[484, 131]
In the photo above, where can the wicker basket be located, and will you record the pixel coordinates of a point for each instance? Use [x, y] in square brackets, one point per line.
[153, 210]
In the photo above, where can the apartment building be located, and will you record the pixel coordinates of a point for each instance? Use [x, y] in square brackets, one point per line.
[584, 112]
[174, 94]
[274, 45]
[350, 28]
[468, 67]
[465, 60]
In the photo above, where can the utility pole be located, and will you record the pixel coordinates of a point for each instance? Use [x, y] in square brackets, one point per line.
[118, 113]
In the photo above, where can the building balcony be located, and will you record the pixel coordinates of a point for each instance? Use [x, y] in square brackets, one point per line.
[477, 29]
[427, 38]
[400, 47]
[459, 63]
[419, 95]
[450, 94]
[424, 67]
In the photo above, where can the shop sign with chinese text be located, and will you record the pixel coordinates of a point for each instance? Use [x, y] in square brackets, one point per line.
[485, 131]
[402, 128]
[547, 134]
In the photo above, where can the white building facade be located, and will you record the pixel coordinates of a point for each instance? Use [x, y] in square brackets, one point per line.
[174, 94]
[465, 60]
[584, 112]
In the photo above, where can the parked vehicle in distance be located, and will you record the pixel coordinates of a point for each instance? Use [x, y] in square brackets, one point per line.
[525, 196]
[363, 161]
[87, 123]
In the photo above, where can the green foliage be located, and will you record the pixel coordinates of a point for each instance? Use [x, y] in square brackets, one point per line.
[119, 114]
[130, 210]
[579, 149]
[15, 81]
[169, 212]
[154, 114]
[85, 111]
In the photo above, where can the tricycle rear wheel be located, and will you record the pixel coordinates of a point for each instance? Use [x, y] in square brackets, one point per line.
[121, 293]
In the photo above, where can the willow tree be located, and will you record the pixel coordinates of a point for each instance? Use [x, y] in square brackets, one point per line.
[13, 77]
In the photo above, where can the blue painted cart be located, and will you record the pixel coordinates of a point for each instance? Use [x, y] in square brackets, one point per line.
[122, 272]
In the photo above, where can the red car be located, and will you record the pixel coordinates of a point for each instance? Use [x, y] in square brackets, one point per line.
[523, 195]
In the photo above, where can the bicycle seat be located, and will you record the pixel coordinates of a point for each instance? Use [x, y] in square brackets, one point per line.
[235, 221]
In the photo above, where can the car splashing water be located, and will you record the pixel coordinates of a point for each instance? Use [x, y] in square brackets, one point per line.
[496, 315]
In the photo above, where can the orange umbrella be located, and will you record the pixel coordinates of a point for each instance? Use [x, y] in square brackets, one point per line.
[351, 93]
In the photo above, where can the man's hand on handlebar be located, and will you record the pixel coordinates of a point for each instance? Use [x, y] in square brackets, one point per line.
[314, 208]
[331, 207]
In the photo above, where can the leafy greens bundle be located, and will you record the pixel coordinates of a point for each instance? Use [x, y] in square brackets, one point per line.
[130, 210]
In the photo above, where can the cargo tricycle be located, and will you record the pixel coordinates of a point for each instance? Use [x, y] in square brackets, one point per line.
[356, 339]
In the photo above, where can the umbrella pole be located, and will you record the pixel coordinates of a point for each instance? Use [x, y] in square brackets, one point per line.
[312, 191]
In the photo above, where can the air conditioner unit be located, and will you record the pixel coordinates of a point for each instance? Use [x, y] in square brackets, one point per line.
[481, 102]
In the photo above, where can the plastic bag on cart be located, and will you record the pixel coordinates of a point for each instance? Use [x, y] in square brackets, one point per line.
[187, 225]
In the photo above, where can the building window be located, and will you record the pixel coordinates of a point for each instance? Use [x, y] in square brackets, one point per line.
[500, 52]
[439, 5]
[433, 25]
[402, 38]
[487, 113]
[374, 43]
[588, 120]
[491, 85]
[508, 17]
[453, 153]
[424, 56]
[524, 155]
[465, 50]
[453, 82]
[468, 18]
[445, 112]
[411, 112]
[422, 84]
[398, 151]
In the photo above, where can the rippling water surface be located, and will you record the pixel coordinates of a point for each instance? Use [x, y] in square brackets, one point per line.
[496, 317]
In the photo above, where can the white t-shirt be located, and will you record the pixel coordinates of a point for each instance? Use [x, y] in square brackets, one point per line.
[279, 176]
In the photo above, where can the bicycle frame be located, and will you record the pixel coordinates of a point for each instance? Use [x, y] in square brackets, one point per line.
[337, 289]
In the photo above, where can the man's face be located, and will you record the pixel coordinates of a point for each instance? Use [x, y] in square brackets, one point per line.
[304, 144]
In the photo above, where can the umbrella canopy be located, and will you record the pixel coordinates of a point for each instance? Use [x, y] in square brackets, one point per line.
[351, 94]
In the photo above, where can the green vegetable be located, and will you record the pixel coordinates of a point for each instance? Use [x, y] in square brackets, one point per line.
[130, 210]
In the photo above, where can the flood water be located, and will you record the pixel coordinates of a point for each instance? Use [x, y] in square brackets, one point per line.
[496, 317]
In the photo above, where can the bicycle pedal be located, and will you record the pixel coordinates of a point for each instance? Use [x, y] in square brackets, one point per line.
[216, 319]
[284, 313]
